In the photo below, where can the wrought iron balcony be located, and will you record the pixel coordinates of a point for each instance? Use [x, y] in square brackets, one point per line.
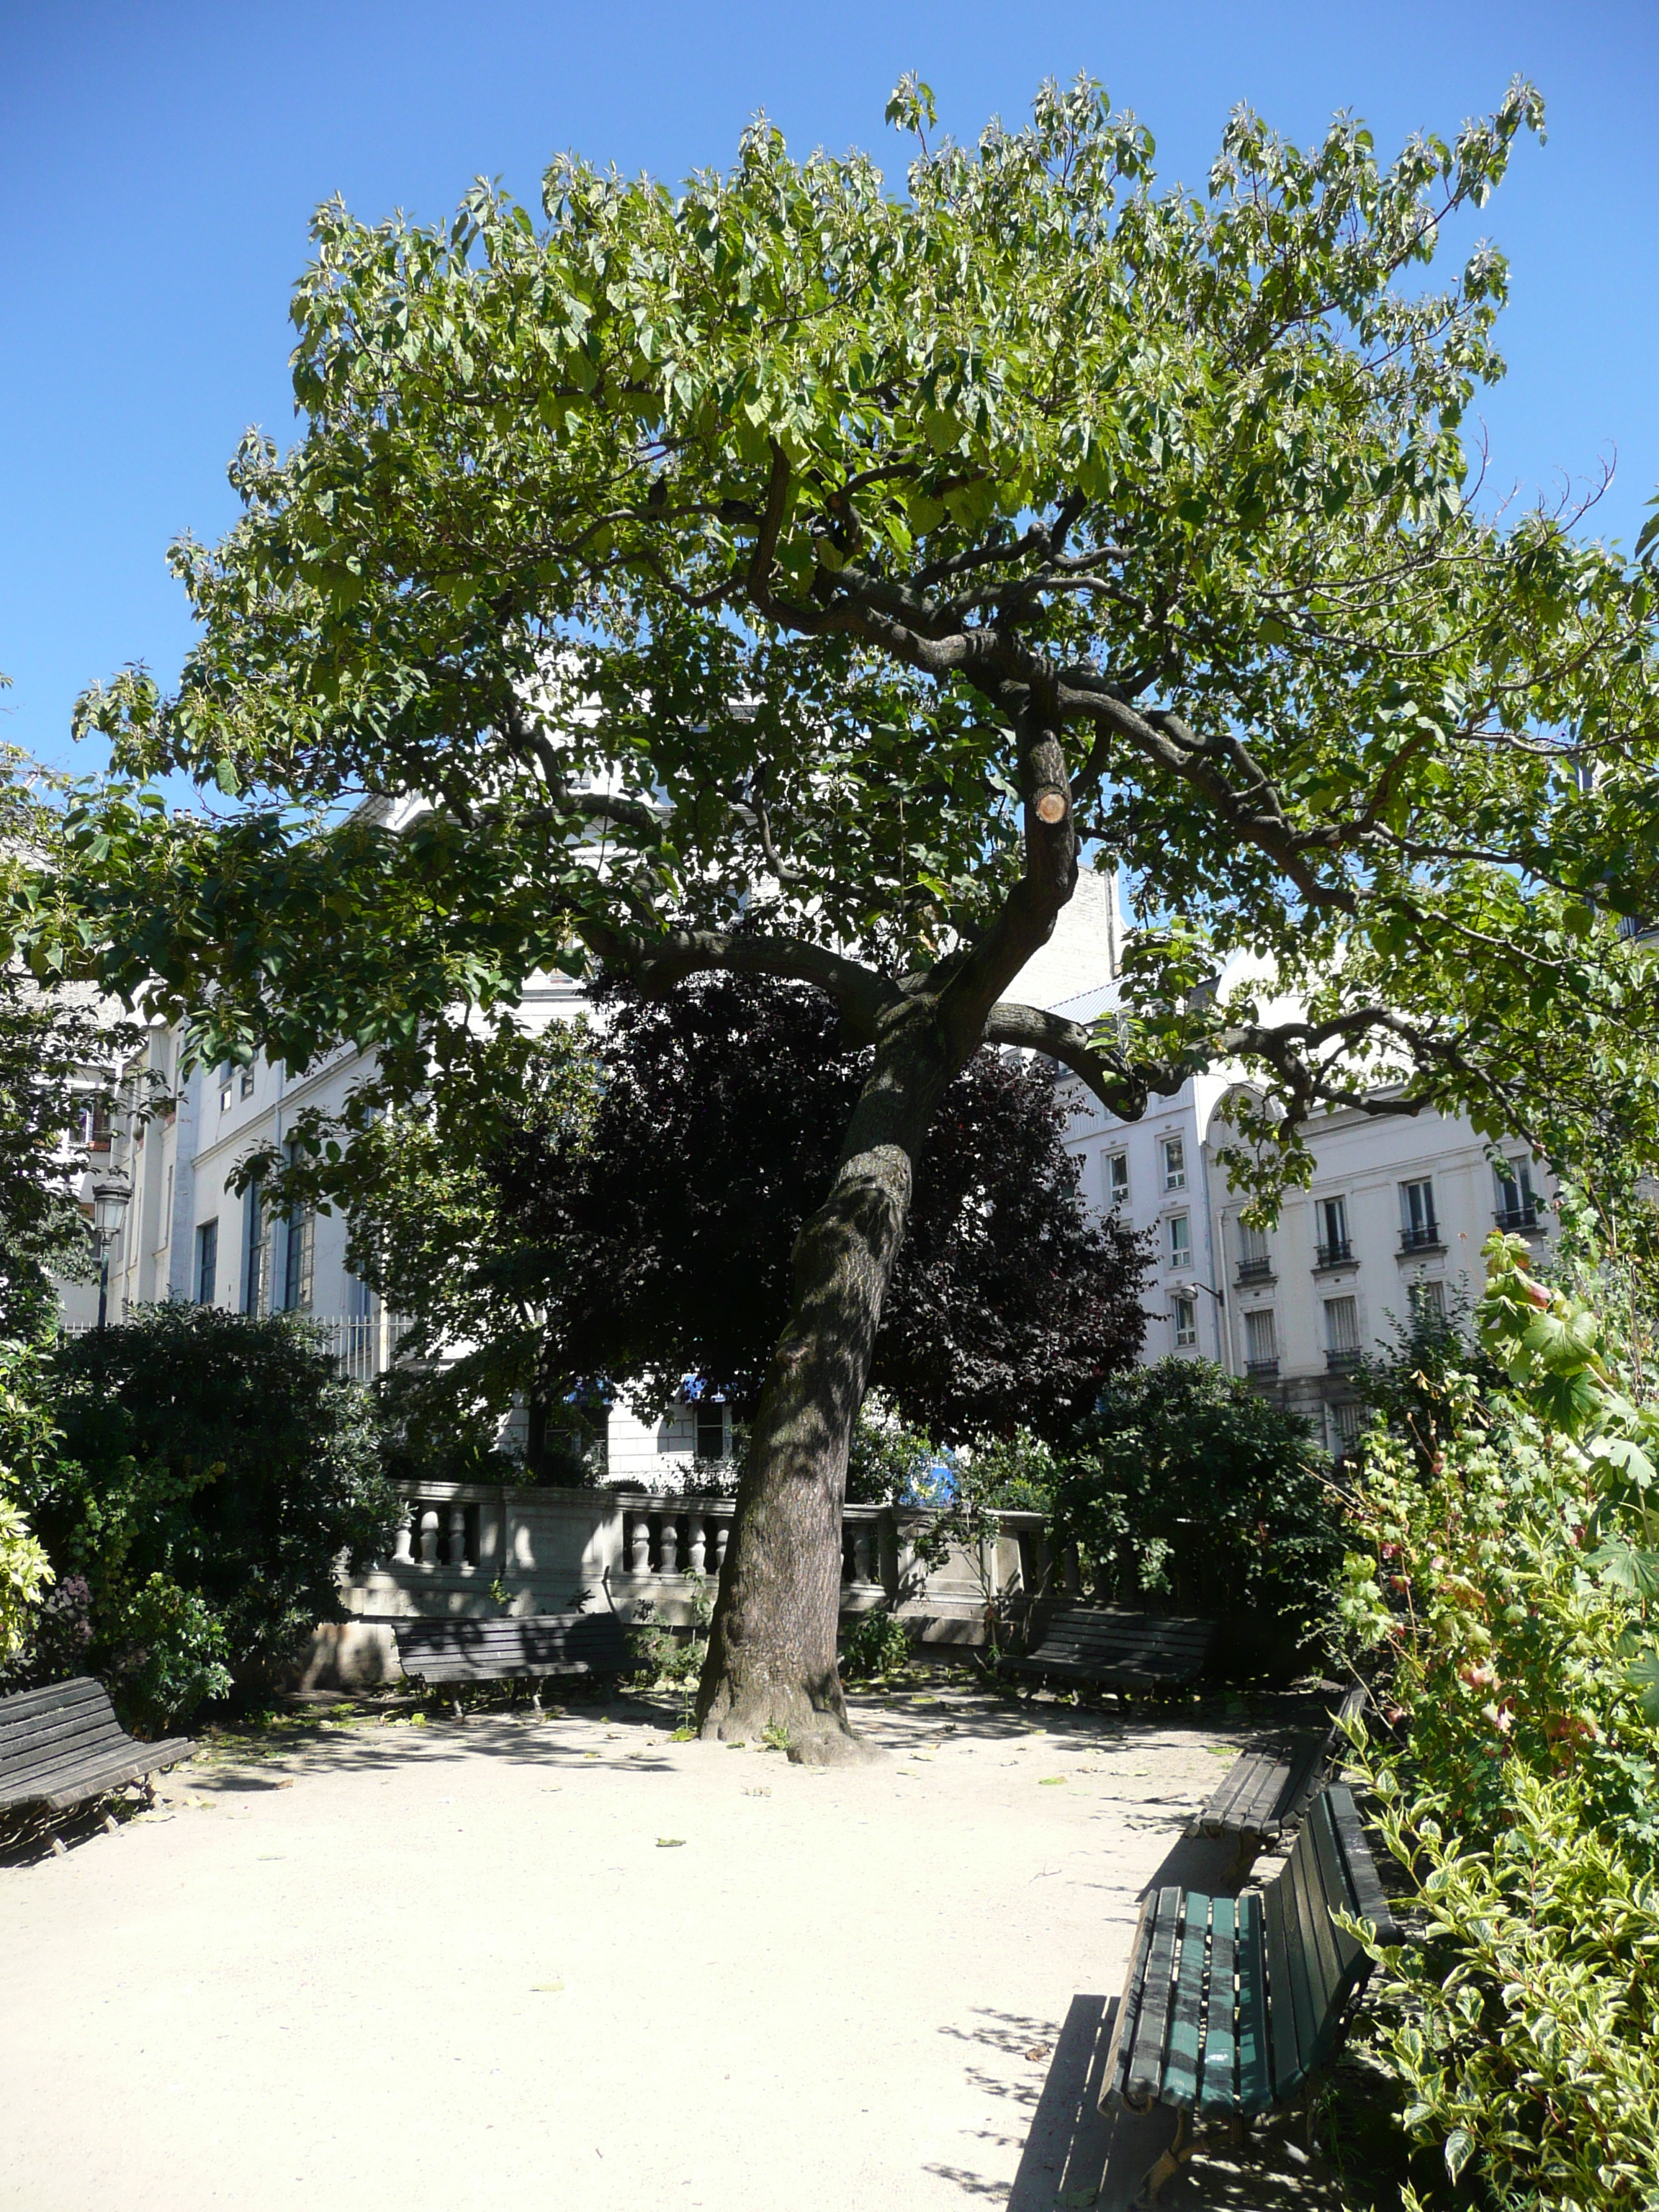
[1261, 1370]
[1337, 1254]
[1256, 1271]
[1426, 1237]
[1517, 1218]
[1341, 1362]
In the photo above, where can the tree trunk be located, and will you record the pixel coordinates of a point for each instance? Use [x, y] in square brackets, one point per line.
[771, 1661]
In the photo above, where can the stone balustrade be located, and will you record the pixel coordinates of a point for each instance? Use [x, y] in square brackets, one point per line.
[471, 1548]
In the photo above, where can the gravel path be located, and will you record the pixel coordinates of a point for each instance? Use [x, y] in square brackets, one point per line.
[572, 1963]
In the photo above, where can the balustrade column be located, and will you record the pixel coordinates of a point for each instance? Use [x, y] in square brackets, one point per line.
[641, 1539]
[403, 1554]
[861, 1551]
[722, 1538]
[696, 1550]
[430, 1536]
[457, 1535]
[668, 1538]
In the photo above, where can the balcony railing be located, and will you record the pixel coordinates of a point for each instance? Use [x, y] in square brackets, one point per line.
[1517, 1218]
[1261, 1370]
[1338, 1253]
[1425, 1236]
[1341, 1362]
[1256, 1271]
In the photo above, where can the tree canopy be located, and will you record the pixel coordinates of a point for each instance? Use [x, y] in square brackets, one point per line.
[796, 576]
[822, 529]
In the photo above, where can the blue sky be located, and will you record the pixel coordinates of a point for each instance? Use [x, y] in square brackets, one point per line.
[161, 162]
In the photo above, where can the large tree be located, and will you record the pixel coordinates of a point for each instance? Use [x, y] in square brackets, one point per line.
[626, 1208]
[793, 576]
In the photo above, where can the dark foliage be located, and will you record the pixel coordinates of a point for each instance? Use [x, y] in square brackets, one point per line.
[213, 1468]
[1187, 1486]
[669, 1235]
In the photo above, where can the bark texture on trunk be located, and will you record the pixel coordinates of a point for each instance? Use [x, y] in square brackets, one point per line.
[771, 1661]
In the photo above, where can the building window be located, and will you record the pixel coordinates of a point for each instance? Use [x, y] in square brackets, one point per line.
[1261, 1341]
[1117, 1179]
[298, 1258]
[247, 1082]
[1428, 1297]
[1517, 1208]
[1174, 1162]
[1341, 1331]
[1344, 1422]
[1180, 1241]
[227, 1089]
[167, 1212]
[714, 1429]
[1331, 1229]
[256, 1264]
[1417, 1226]
[1186, 1322]
[207, 1262]
[1255, 1260]
[358, 1301]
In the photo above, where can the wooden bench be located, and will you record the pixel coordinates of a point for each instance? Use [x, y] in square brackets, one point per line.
[1117, 1650]
[1263, 1794]
[524, 1647]
[62, 1745]
[1231, 2003]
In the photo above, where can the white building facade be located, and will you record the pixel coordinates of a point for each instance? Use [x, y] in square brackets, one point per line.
[1399, 1207]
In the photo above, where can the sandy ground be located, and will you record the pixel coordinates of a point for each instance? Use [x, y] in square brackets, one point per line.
[570, 1963]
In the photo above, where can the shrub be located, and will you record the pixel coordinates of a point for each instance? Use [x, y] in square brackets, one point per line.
[1505, 1592]
[28, 1444]
[1187, 1485]
[872, 1645]
[214, 1469]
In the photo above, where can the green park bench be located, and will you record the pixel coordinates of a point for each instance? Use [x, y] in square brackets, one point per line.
[1231, 2002]
[62, 1745]
[533, 1647]
[1263, 1794]
[1116, 1650]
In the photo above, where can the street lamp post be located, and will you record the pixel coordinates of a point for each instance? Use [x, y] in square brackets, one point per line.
[109, 1204]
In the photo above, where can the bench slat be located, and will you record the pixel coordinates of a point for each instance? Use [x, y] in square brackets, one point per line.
[1370, 1902]
[1318, 1938]
[1186, 2035]
[81, 1689]
[1128, 2011]
[1334, 1880]
[16, 1774]
[1281, 2007]
[74, 1725]
[114, 1774]
[1218, 2090]
[1254, 2083]
[1146, 2062]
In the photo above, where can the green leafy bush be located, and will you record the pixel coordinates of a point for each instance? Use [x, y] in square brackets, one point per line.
[27, 1442]
[213, 1471]
[1186, 1487]
[1504, 1593]
[872, 1645]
